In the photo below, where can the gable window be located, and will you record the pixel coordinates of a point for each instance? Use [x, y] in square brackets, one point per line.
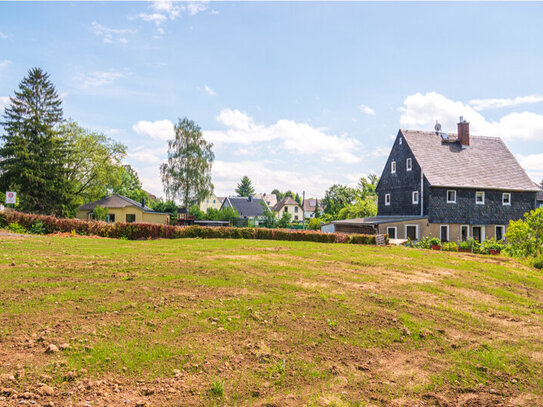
[296, 209]
[451, 196]
[500, 232]
[480, 197]
[506, 198]
[393, 167]
[401, 141]
[130, 218]
[391, 232]
[415, 197]
[387, 199]
[409, 164]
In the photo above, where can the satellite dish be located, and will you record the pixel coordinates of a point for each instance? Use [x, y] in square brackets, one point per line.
[437, 126]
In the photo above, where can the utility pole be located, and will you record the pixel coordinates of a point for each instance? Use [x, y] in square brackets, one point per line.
[303, 212]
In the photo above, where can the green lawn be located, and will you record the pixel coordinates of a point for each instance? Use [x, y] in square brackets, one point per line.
[239, 322]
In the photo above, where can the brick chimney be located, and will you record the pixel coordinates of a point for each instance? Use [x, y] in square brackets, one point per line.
[463, 132]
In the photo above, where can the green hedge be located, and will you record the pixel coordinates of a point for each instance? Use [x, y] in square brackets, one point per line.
[140, 231]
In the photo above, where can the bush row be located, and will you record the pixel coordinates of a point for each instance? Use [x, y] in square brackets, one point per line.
[137, 231]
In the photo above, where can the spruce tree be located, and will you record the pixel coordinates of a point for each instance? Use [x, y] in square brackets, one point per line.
[245, 187]
[32, 154]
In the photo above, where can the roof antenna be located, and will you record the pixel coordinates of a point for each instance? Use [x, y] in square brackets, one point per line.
[437, 127]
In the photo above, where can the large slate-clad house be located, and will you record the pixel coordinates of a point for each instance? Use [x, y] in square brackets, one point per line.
[452, 186]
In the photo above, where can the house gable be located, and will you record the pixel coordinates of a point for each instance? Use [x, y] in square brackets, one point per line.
[401, 182]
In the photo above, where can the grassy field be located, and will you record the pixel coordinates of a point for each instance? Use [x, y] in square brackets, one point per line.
[234, 322]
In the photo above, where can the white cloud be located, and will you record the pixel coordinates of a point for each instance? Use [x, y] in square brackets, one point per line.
[367, 110]
[4, 101]
[482, 104]
[110, 35]
[265, 176]
[420, 111]
[533, 164]
[3, 36]
[209, 91]
[292, 136]
[159, 130]
[97, 79]
[164, 10]
[4, 63]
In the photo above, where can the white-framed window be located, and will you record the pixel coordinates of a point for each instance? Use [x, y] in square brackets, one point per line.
[480, 197]
[464, 232]
[506, 198]
[409, 164]
[387, 199]
[392, 232]
[444, 233]
[401, 141]
[451, 196]
[393, 167]
[415, 197]
[296, 209]
[412, 232]
[500, 232]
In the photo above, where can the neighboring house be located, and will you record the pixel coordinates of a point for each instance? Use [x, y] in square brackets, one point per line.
[290, 206]
[123, 209]
[539, 199]
[451, 186]
[248, 208]
[271, 199]
[211, 201]
[310, 205]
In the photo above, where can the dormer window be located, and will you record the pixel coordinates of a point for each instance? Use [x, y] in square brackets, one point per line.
[409, 164]
[506, 198]
[387, 199]
[480, 197]
[393, 167]
[451, 196]
[415, 197]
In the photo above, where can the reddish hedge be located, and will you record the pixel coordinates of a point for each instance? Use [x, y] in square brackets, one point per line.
[136, 231]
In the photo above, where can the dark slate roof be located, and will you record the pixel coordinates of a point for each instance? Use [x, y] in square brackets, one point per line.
[246, 207]
[375, 220]
[114, 201]
[285, 201]
[487, 163]
[540, 196]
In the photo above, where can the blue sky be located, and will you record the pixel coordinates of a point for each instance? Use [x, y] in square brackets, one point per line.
[296, 95]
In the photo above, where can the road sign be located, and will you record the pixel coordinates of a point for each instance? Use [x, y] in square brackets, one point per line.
[11, 197]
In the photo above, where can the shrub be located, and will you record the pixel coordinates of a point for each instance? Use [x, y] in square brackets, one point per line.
[434, 241]
[424, 243]
[139, 231]
[525, 236]
[38, 228]
[449, 247]
[538, 263]
[491, 244]
[16, 228]
[465, 245]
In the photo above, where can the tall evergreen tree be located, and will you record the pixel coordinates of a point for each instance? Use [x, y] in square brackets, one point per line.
[187, 173]
[32, 154]
[245, 187]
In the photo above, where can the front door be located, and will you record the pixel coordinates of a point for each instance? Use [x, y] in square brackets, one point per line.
[411, 232]
[477, 233]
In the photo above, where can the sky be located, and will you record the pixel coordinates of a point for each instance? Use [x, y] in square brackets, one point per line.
[296, 95]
